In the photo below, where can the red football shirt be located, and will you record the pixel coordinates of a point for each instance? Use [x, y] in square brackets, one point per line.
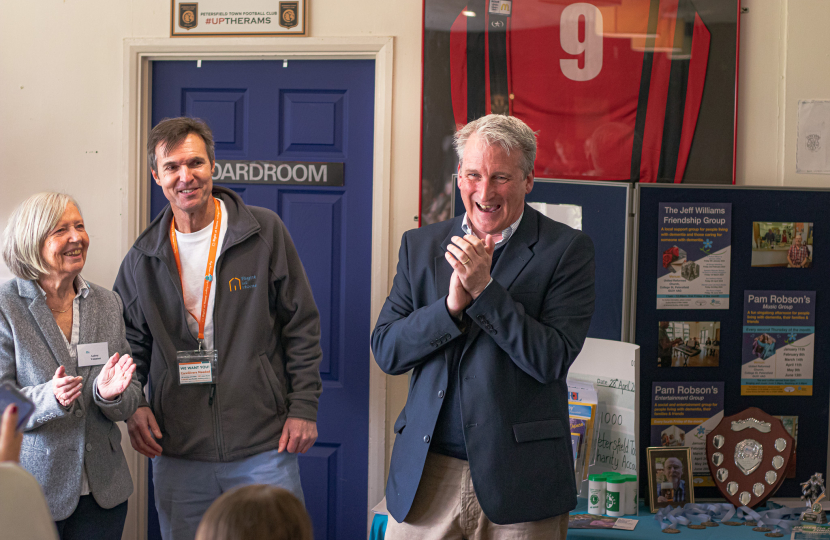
[613, 87]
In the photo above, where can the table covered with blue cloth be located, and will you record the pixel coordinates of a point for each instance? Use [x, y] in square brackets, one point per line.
[647, 528]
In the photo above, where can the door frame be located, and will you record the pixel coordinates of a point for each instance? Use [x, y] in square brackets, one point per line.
[138, 56]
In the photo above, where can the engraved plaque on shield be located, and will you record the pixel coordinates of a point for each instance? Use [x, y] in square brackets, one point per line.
[744, 453]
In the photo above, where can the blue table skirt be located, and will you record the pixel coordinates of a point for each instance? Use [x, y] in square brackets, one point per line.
[378, 531]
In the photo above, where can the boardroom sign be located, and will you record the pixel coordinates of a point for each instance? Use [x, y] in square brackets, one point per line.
[239, 18]
[297, 173]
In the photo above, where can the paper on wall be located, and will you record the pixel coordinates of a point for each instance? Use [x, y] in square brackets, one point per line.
[813, 137]
[569, 214]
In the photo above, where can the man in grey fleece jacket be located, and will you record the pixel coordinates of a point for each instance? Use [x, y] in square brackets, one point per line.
[261, 409]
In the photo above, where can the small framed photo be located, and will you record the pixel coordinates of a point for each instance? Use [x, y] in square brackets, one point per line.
[669, 477]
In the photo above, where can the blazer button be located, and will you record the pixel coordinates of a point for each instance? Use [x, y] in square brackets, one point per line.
[89, 447]
[440, 393]
[426, 438]
[79, 413]
[432, 343]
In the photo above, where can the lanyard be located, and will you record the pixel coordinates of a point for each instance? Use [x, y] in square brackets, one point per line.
[214, 241]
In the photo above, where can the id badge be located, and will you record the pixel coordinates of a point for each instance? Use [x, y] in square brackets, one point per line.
[197, 367]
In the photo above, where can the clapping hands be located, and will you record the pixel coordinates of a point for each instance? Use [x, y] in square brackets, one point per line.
[470, 259]
[66, 389]
[115, 376]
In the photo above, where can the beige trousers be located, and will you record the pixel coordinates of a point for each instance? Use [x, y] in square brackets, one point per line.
[446, 507]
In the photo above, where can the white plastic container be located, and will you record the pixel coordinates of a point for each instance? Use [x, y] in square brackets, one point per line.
[615, 488]
[596, 494]
[631, 499]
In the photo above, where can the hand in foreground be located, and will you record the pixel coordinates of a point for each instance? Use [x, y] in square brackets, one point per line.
[458, 299]
[298, 435]
[66, 389]
[10, 438]
[144, 431]
[115, 376]
[471, 259]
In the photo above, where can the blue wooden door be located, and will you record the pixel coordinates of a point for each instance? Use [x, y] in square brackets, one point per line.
[308, 111]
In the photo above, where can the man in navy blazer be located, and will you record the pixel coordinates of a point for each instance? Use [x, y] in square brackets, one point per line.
[488, 310]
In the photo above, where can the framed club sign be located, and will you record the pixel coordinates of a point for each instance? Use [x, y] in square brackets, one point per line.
[748, 455]
[238, 18]
[617, 90]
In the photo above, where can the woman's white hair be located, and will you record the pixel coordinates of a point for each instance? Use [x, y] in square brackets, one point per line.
[507, 131]
[26, 232]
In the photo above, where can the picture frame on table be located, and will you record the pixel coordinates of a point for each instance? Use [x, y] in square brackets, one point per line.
[669, 477]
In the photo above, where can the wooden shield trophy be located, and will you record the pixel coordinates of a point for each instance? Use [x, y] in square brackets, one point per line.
[748, 455]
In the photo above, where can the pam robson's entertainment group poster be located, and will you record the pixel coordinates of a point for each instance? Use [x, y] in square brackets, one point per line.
[694, 253]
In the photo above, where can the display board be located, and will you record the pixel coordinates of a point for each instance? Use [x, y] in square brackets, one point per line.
[605, 217]
[761, 347]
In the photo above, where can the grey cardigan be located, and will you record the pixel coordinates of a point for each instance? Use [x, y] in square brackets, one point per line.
[57, 442]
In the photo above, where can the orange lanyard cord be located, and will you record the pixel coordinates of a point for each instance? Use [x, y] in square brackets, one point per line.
[214, 242]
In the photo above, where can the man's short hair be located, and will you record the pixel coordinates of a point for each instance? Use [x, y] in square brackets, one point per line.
[507, 131]
[170, 133]
[27, 229]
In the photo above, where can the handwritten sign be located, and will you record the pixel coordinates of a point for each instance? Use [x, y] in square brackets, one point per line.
[611, 366]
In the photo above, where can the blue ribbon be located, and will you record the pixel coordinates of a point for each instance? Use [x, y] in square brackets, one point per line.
[782, 518]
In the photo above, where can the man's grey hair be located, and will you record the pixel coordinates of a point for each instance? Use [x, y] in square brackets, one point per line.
[27, 229]
[507, 131]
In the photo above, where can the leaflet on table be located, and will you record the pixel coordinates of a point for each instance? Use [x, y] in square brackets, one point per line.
[810, 531]
[682, 414]
[614, 443]
[778, 337]
[694, 255]
[582, 410]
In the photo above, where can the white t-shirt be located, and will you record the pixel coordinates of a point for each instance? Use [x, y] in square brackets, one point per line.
[194, 249]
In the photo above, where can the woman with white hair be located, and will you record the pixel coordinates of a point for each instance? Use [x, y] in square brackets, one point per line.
[63, 344]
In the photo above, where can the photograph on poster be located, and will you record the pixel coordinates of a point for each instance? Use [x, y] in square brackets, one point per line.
[669, 477]
[782, 244]
[688, 344]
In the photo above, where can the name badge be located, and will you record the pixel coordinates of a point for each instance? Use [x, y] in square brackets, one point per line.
[93, 354]
[197, 367]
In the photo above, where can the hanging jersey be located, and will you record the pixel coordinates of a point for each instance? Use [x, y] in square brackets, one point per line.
[612, 87]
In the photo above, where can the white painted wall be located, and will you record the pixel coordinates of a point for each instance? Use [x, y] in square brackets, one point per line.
[61, 101]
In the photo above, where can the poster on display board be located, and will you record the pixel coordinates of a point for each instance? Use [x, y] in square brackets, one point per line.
[694, 255]
[682, 414]
[778, 343]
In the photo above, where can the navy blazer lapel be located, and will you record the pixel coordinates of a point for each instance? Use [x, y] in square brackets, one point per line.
[46, 324]
[517, 254]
